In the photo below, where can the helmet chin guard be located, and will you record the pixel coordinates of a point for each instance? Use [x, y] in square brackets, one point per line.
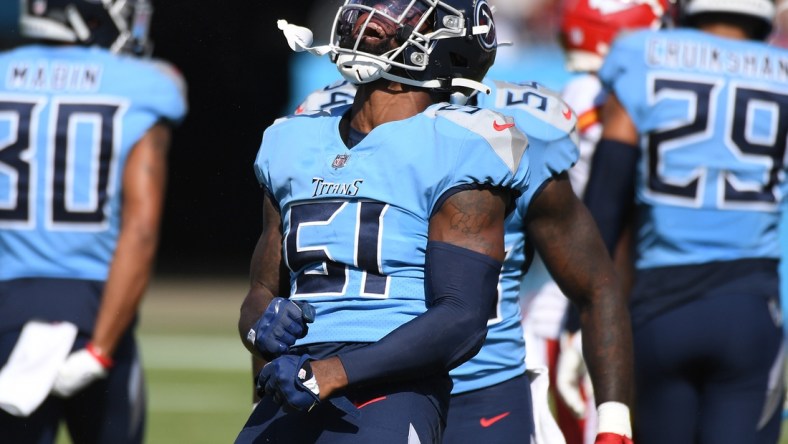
[358, 68]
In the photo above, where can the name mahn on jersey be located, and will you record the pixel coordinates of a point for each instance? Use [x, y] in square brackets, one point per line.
[55, 76]
[708, 56]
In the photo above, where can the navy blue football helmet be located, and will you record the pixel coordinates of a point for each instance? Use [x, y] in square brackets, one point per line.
[119, 25]
[443, 45]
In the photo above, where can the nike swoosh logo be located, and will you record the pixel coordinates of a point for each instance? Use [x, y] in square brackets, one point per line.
[487, 422]
[567, 114]
[361, 405]
[500, 127]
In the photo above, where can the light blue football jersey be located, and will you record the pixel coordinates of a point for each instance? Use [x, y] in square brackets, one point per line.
[714, 112]
[338, 93]
[355, 220]
[550, 127]
[69, 117]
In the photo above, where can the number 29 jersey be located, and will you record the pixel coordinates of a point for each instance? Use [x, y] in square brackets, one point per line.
[714, 115]
[355, 221]
[69, 117]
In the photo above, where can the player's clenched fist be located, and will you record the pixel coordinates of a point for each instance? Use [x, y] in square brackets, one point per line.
[611, 438]
[80, 369]
[281, 324]
[289, 379]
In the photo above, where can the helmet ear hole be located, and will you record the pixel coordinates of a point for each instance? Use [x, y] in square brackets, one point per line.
[459, 60]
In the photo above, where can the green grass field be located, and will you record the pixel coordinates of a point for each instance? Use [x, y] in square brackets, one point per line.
[198, 373]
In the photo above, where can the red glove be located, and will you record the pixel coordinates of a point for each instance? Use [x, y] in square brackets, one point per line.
[611, 438]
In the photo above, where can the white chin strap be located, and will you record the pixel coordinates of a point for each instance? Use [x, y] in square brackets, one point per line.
[299, 39]
[359, 69]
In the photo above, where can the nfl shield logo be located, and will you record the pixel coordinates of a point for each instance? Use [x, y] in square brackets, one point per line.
[340, 160]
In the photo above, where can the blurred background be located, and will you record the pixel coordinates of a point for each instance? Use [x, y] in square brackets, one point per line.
[241, 76]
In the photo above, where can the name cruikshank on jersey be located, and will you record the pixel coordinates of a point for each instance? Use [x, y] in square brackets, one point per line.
[56, 76]
[712, 58]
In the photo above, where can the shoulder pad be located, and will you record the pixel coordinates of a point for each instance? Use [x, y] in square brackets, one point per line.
[500, 132]
[537, 100]
[338, 93]
[306, 114]
[169, 71]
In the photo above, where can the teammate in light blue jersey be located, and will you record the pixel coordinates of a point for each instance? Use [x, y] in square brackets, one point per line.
[695, 135]
[388, 219]
[64, 196]
[481, 383]
[488, 401]
[85, 131]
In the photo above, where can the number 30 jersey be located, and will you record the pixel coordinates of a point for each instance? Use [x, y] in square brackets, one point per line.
[714, 115]
[355, 221]
[69, 117]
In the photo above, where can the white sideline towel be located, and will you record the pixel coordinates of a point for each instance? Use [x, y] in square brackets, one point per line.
[546, 430]
[28, 376]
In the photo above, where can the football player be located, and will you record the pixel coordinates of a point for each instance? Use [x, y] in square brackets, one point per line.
[488, 403]
[85, 125]
[587, 30]
[696, 128]
[484, 384]
[385, 219]
[478, 399]
[374, 357]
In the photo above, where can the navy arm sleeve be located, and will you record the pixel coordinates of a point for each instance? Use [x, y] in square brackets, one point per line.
[461, 290]
[610, 192]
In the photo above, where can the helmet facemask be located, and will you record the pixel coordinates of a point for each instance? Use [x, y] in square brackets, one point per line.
[413, 42]
[371, 37]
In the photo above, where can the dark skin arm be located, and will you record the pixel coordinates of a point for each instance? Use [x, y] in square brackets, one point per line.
[144, 183]
[618, 125]
[268, 273]
[470, 219]
[267, 279]
[566, 237]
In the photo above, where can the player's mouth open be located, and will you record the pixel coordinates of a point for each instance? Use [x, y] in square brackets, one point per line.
[374, 32]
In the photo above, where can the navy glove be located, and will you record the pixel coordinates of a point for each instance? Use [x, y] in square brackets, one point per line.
[281, 324]
[289, 379]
